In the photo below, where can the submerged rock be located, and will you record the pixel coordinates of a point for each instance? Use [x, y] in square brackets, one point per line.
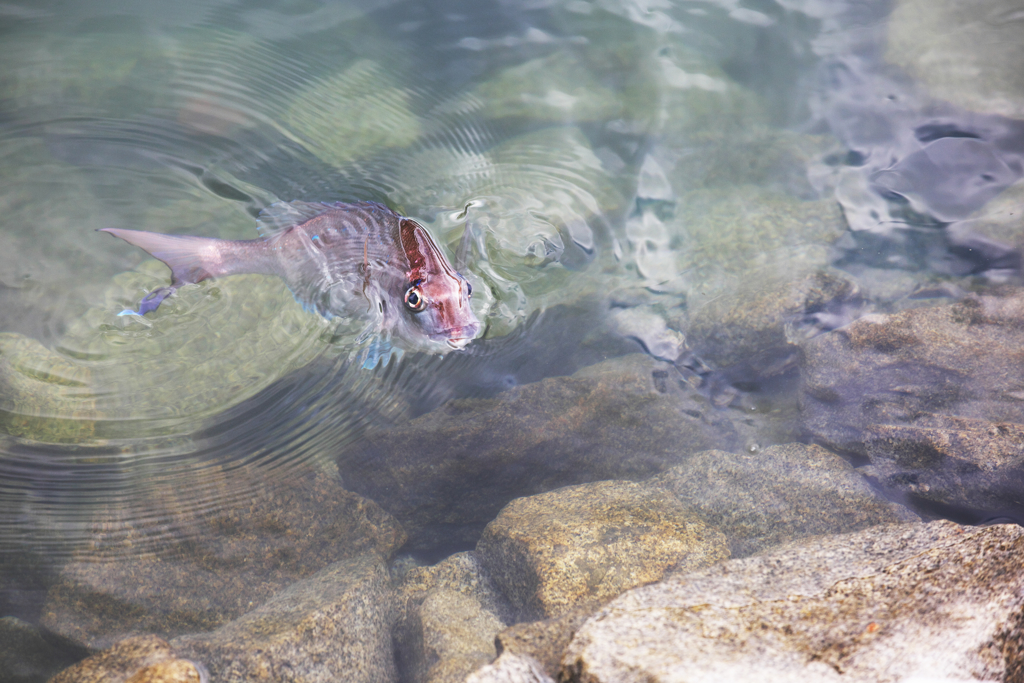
[967, 53]
[118, 663]
[560, 88]
[352, 114]
[110, 377]
[222, 555]
[928, 602]
[754, 330]
[763, 499]
[332, 626]
[931, 397]
[579, 546]
[448, 617]
[446, 474]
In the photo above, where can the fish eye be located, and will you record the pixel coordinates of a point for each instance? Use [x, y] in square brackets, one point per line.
[469, 289]
[414, 299]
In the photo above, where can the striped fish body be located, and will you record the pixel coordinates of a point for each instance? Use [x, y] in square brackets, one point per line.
[350, 260]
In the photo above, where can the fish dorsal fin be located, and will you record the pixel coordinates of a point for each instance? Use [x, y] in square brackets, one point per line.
[278, 217]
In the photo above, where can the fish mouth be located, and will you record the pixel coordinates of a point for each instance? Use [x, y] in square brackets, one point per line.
[458, 337]
[458, 342]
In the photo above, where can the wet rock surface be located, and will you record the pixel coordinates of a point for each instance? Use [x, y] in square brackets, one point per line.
[931, 400]
[225, 561]
[762, 499]
[934, 601]
[445, 475]
[580, 546]
[335, 625]
[448, 617]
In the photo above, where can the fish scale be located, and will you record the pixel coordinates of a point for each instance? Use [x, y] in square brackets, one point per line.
[350, 260]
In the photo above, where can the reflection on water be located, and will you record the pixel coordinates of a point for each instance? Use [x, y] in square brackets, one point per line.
[714, 185]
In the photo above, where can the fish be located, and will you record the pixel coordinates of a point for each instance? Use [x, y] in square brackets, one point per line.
[339, 260]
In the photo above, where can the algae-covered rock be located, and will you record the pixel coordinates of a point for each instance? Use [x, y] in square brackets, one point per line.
[448, 617]
[759, 500]
[557, 88]
[629, 417]
[580, 546]
[332, 626]
[353, 114]
[936, 602]
[198, 550]
[209, 347]
[968, 53]
[115, 71]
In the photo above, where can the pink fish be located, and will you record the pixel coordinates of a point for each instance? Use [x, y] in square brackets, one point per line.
[360, 259]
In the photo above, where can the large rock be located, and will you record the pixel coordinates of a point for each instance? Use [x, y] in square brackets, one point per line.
[923, 602]
[932, 398]
[448, 617]
[445, 475]
[226, 559]
[762, 499]
[580, 546]
[333, 626]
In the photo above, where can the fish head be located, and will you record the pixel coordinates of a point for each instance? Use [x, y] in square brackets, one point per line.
[435, 299]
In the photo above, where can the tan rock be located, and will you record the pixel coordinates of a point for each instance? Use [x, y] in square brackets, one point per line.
[170, 671]
[118, 663]
[450, 614]
[227, 561]
[582, 545]
[925, 602]
[335, 625]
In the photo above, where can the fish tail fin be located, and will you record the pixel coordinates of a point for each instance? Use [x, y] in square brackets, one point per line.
[191, 259]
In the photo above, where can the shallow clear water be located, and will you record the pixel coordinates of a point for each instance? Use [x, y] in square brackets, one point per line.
[605, 171]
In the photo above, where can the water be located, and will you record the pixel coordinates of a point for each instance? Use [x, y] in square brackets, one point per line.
[612, 176]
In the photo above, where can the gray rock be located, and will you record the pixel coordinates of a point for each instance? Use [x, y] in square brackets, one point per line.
[335, 625]
[27, 656]
[931, 397]
[511, 668]
[580, 546]
[762, 499]
[930, 602]
[754, 329]
[265, 535]
[626, 418]
[448, 617]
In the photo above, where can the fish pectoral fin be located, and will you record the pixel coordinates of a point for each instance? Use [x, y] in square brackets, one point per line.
[151, 301]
